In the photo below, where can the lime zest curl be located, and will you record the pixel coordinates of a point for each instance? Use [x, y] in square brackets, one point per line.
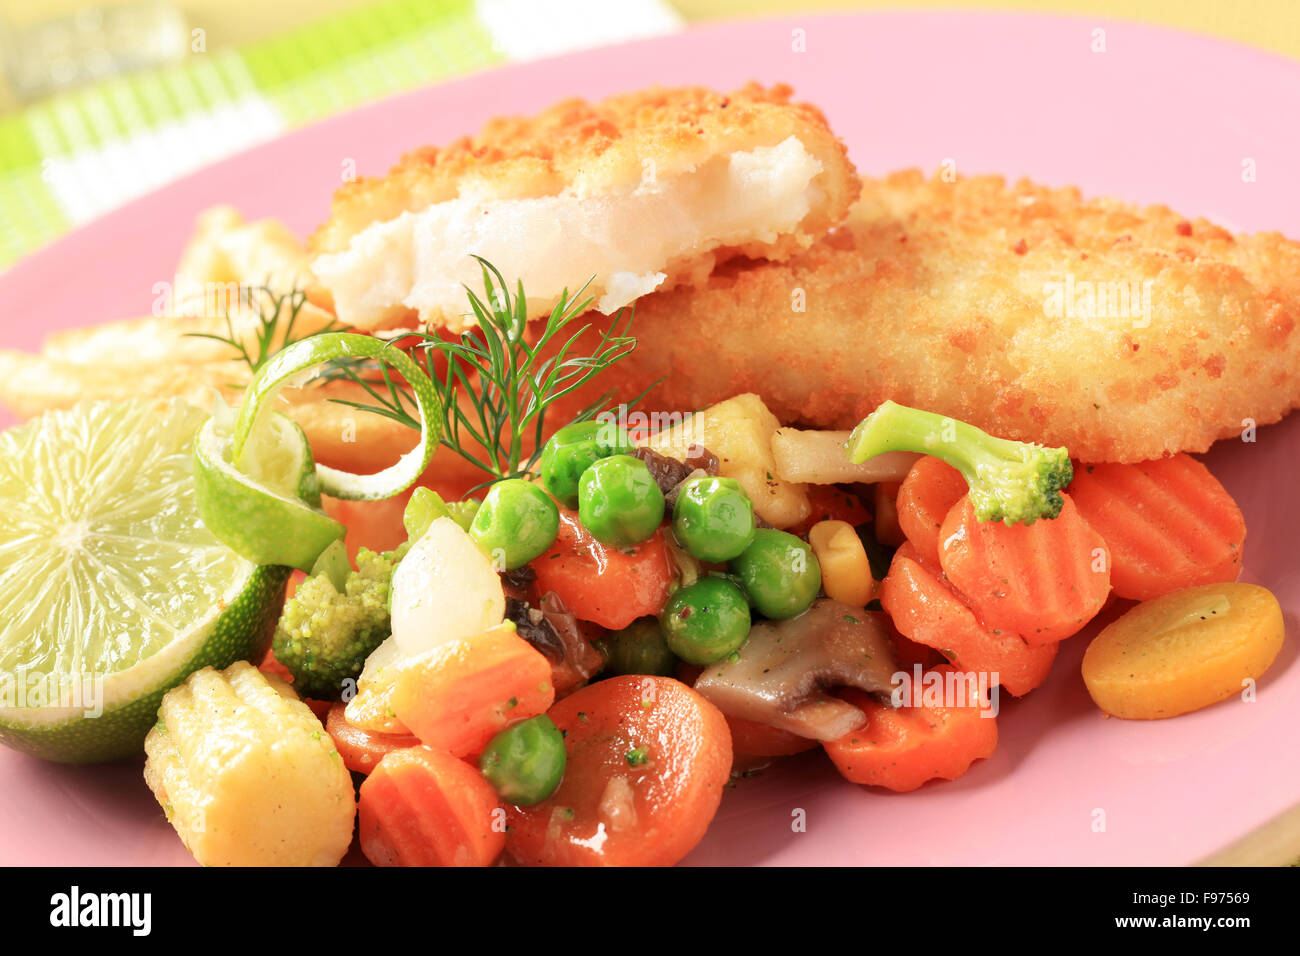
[297, 361]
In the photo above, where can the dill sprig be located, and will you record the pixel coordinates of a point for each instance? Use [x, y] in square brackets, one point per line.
[275, 328]
[507, 383]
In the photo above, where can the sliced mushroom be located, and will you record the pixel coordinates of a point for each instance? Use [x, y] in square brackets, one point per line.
[669, 473]
[785, 669]
[553, 630]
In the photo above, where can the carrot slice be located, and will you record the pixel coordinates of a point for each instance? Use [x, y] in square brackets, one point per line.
[1169, 524]
[830, 503]
[648, 758]
[1044, 580]
[360, 749]
[925, 497]
[909, 652]
[609, 586]
[902, 748]
[926, 610]
[459, 695]
[752, 739]
[422, 807]
[371, 709]
[1185, 650]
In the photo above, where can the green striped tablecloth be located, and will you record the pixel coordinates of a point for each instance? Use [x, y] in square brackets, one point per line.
[74, 156]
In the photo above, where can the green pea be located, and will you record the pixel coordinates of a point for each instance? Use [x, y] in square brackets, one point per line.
[707, 621]
[424, 506]
[516, 522]
[525, 763]
[640, 648]
[713, 518]
[575, 448]
[619, 501]
[779, 572]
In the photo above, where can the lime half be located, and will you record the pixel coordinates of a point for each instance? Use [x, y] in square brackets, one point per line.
[269, 513]
[112, 590]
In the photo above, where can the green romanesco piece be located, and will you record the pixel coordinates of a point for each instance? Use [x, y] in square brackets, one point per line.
[324, 635]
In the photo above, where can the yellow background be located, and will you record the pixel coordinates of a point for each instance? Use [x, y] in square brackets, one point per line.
[1272, 24]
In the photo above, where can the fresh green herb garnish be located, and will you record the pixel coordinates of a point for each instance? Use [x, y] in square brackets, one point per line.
[496, 386]
[275, 326]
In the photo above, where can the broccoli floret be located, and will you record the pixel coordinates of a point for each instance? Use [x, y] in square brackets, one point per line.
[325, 635]
[1009, 481]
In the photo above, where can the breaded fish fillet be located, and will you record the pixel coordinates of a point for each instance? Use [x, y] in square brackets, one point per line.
[1123, 333]
[197, 371]
[642, 191]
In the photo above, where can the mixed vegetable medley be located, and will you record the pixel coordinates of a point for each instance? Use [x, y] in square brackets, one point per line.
[570, 664]
[652, 634]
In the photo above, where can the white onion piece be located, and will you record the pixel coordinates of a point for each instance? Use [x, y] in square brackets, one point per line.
[444, 589]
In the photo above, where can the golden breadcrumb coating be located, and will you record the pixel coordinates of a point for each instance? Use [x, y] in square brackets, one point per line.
[591, 150]
[999, 305]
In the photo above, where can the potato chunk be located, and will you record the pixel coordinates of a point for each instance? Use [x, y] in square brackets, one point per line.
[739, 431]
[819, 458]
[246, 773]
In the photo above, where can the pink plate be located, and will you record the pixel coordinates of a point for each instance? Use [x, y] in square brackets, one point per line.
[1158, 117]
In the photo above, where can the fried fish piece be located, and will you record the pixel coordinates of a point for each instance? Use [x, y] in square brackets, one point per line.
[1123, 333]
[224, 248]
[219, 290]
[642, 191]
[340, 436]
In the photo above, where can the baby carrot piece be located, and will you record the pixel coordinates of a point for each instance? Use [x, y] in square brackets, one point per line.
[925, 609]
[1044, 581]
[609, 586]
[902, 748]
[1169, 524]
[422, 807]
[925, 497]
[459, 695]
[360, 749]
[647, 760]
